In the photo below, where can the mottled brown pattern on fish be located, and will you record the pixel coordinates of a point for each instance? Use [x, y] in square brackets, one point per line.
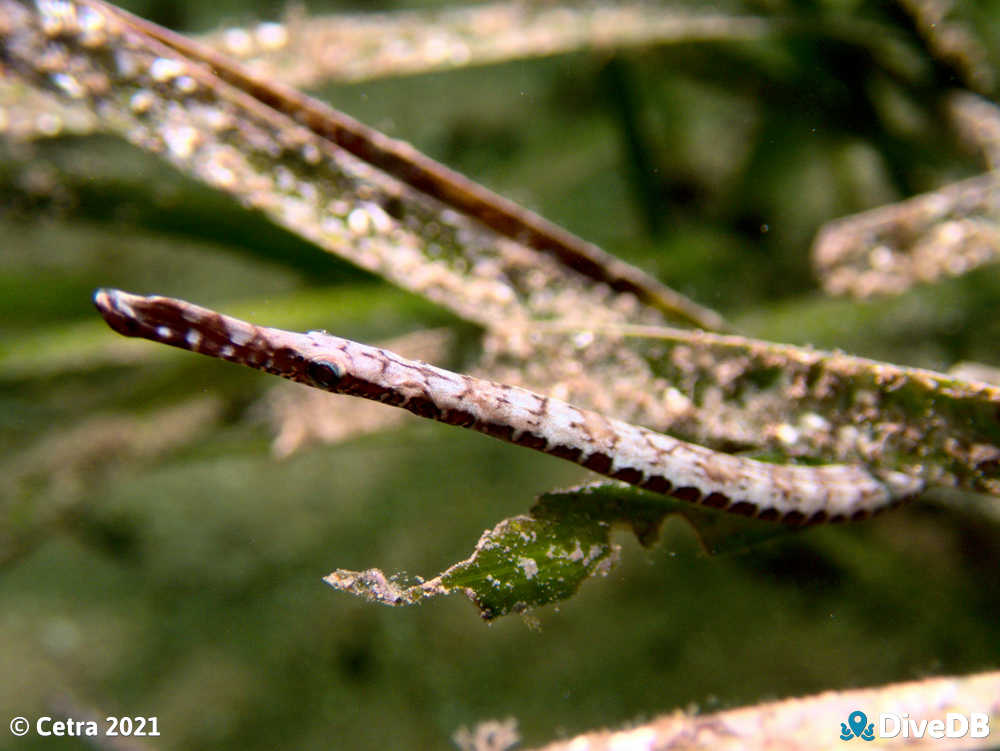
[611, 447]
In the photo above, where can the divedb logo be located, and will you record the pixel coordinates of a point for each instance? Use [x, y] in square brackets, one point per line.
[857, 726]
[893, 725]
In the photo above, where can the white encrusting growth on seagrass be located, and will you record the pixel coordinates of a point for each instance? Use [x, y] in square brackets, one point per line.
[614, 448]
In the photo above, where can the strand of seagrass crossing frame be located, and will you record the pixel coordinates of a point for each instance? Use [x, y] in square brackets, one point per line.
[402, 161]
[329, 178]
[636, 455]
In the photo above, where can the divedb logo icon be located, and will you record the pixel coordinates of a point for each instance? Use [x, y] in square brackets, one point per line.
[857, 726]
[894, 725]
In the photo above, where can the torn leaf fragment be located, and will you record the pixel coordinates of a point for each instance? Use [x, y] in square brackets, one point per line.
[533, 560]
[521, 563]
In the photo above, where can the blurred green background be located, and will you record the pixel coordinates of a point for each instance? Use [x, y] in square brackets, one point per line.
[158, 561]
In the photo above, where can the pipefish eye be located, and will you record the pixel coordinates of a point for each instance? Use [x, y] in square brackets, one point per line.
[324, 373]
